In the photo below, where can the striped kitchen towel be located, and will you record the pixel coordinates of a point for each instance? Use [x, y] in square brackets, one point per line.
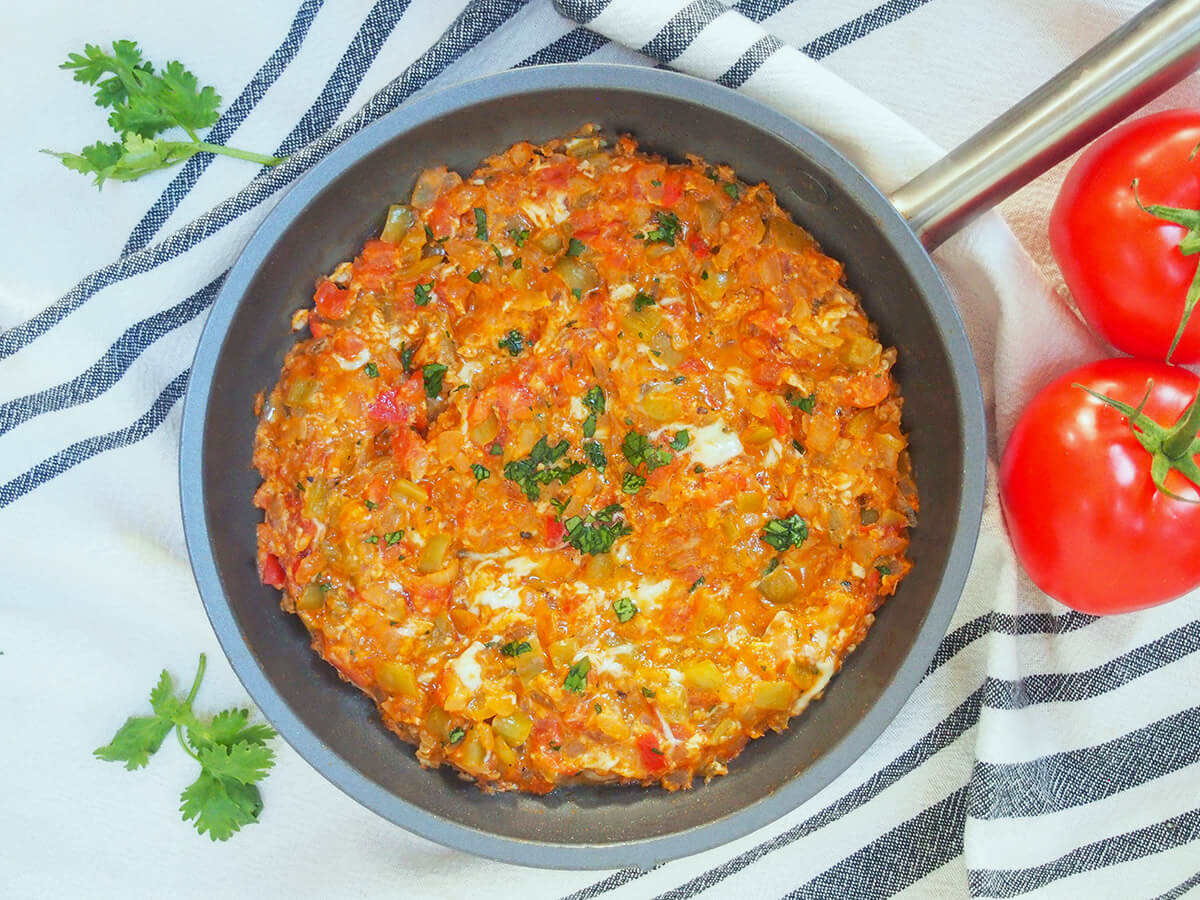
[1045, 753]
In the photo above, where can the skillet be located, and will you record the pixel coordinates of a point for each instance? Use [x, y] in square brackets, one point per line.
[330, 212]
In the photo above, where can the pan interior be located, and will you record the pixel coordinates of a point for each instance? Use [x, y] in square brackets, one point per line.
[340, 726]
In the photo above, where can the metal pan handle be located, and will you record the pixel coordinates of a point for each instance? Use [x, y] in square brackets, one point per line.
[1154, 50]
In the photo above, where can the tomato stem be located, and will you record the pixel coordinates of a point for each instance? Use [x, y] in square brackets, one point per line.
[1169, 448]
[1189, 245]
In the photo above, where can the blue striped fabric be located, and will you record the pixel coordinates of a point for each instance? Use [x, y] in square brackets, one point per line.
[909, 846]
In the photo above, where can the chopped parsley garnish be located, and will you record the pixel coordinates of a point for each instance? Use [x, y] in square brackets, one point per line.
[681, 439]
[481, 231]
[393, 537]
[632, 482]
[575, 247]
[496, 450]
[589, 426]
[704, 275]
[516, 648]
[594, 399]
[678, 379]
[641, 301]
[771, 566]
[668, 228]
[406, 355]
[797, 446]
[625, 609]
[370, 504]
[578, 293]
[457, 734]
[646, 692]
[883, 569]
[422, 293]
[560, 506]
[638, 449]
[517, 263]
[576, 680]
[428, 233]
[373, 539]
[481, 472]
[513, 342]
[732, 190]
[434, 374]
[519, 237]
[804, 404]
[539, 468]
[656, 182]
[784, 533]
[695, 584]
[597, 532]
[711, 173]
[595, 455]
[372, 370]
[475, 276]
[499, 255]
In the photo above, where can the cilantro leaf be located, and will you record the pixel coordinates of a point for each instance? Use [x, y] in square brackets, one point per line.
[641, 301]
[513, 342]
[625, 609]
[668, 229]
[406, 357]
[245, 762]
[595, 454]
[481, 229]
[595, 533]
[784, 533]
[181, 96]
[220, 806]
[732, 190]
[422, 294]
[576, 680]
[638, 449]
[481, 472]
[632, 482]
[135, 741]
[539, 467]
[594, 399]
[475, 276]
[372, 370]
[804, 404]
[681, 440]
[516, 648]
[434, 376]
[575, 247]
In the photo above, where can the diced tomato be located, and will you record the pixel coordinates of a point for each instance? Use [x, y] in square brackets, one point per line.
[377, 257]
[348, 345]
[693, 365]
[651, 754]
[698, 246]
[318, 327]
[782, 427]
[555, 532]
[272, 571]
[672, 188]
[556, 176]
[387, 408]
[331, 300]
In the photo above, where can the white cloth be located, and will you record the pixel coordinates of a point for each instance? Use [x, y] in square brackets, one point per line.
[1091, 724]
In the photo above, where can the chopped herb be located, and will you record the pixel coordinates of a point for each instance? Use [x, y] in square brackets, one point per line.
[594, 399]
[461, 387]
[560, 505]
[681, 439]
[370, 504]
[655, 750]
[597, 707]
[516, 648]
[496, 450]
[555, 747]
[457, 734]
[638, 449]
[596, 532]
[632, 482]
[428, 233]
[595, 455]
[513, 342]
[475, 276]
[481, 230]
[575, 247]
[804, 404]
[641, 301]
[797, 446]
[517, 263]
[695, 584]
[732, 190]
[772, 566]
[625, 609]
[698, 469]
[406, 357]
[519, 237]
[678, 379]
[499, 256]
[646, 692]
[589, 426]
[711, 173]
[299, 487]
[372, 370]
[578, 293]
[434, 374]
[373, 539]
[393, 537]
[883, 569]
[656, 182]
[576, 680]
[422, 293]
[704, 275]
[481, 472]
[639, 236]
[668, 228]
[784, 533]
[539, 468]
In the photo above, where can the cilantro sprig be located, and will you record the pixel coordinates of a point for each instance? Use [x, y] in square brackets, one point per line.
[541, 467]
[784, 533]
[144, 104]
[596, 532]
[232, 753]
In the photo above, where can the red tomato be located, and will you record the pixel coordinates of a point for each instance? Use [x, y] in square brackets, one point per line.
[331, 301]
[1123, 265]
[652, 756]
[1084, 515]
[272, 571]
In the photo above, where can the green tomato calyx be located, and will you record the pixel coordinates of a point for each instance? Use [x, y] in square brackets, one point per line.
[1170, 448]
[1189, 245]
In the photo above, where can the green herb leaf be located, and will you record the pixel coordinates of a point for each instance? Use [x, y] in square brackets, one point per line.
[496, 450]
[575, 247]
[638, 449]
[595, 455]
[646, 692]
[475, 276]
[695, 584]
[136, 741]
[804, 404]
[596, 532]
[370, 504]
[681, 440]
[372, 370]
[668, 228]
[481, 472]
[784, 533]
[517, 263]
[625, 609]
[539, 468]
[576, 680]
[594, 399]
[732, 190]
[516, 648]
[406, 357]
[422, 294]
[481, 229]
[393, 537]
[641, 301]
[513, 342]
[220, 806]
[371, 539]
[457, 734]
[632, 483]
[883, 569]
[519, 237]
[433, 374]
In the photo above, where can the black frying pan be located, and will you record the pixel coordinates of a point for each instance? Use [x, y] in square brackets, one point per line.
[326, 217]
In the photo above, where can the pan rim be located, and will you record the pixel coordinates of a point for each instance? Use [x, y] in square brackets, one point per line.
[642, 852]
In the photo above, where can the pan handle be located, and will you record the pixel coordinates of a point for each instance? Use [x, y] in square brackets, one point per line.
[1137, 62]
